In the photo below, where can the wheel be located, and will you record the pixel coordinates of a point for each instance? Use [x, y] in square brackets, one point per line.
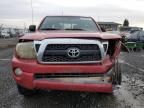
[25, 91]
[117, 75]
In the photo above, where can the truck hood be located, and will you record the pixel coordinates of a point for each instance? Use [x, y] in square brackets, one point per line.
[40, 35]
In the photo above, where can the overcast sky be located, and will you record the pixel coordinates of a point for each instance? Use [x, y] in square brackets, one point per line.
[18, 12]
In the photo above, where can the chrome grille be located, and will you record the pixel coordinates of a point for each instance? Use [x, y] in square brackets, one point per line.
[55, 51]
[58, 53]
[66, 46]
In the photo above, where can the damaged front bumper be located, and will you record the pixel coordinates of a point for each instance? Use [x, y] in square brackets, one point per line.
[91, 78]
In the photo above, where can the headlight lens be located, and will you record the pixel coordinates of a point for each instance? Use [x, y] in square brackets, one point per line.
[25, 50]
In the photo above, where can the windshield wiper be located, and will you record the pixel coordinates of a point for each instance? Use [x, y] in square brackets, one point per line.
[49, 29]
[76, 29]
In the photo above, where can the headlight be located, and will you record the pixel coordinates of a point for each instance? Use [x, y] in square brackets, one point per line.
[25, 50]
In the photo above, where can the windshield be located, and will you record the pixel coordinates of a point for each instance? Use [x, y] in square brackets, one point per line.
[68, 23]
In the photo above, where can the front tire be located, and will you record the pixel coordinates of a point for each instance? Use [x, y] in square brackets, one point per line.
[24, 91]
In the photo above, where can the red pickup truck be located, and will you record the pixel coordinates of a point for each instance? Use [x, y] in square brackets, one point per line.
[67, 53]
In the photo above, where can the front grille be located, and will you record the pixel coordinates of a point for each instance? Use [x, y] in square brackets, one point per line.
[58, 53]
[66, 46]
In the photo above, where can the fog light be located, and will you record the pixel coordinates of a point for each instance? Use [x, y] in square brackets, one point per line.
[18, 72]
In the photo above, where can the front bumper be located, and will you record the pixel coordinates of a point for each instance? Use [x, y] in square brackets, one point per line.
[31, 67]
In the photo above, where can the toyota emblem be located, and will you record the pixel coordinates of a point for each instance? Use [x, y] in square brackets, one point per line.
[73, 52]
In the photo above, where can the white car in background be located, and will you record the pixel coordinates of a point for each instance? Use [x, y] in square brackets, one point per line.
[5, 34]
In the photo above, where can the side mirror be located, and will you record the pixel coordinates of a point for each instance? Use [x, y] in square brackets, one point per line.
[102, 29]
[32, 28]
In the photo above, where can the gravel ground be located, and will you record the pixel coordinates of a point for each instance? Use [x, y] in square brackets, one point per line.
[129, 95]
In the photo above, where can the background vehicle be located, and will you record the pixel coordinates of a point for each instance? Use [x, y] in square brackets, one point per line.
[137, 36]
[67, 53]
[126, 29]
[136, 40]
[5, 33]
[12, 32]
